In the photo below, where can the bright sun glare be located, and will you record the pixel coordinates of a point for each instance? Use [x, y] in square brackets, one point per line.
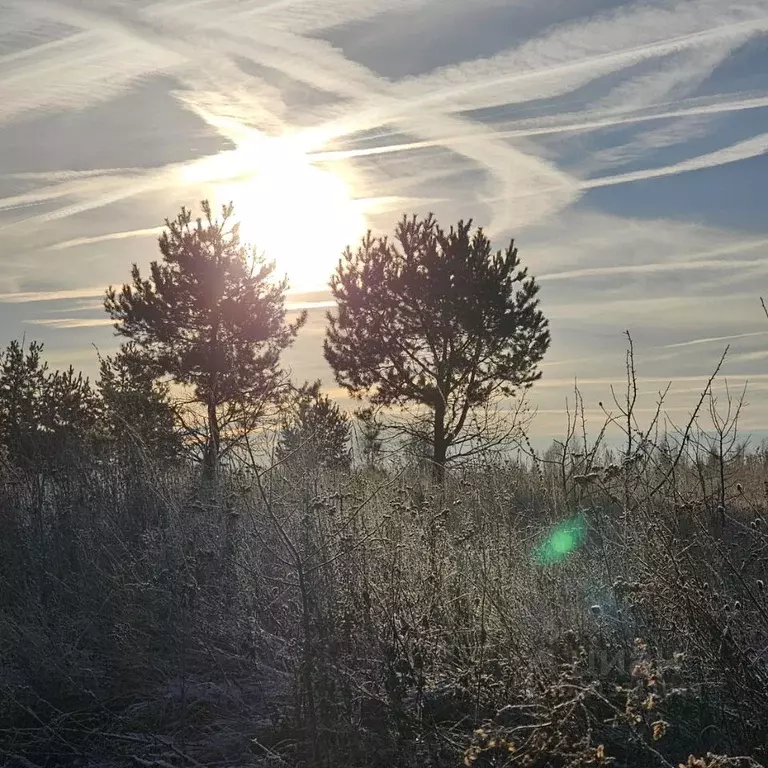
[297, 214]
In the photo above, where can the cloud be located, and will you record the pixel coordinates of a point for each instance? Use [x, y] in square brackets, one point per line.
[656, 380]
[676, 132]
[573, 55]
[95, 239]
[702, 32]
[293, 306]
[75, 72]
[22, 297]
[677, 264]
[57, 176]
[72, 322]
[514, 139]
[81, 193]
[715, 339]
[677, 78]
[743, 150]
[296, 16]
[563, 123]
[747, 357]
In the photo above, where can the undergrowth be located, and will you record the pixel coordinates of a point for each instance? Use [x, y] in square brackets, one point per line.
[296, 617]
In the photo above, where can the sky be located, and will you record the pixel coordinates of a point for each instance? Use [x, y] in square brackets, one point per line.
[622, 144]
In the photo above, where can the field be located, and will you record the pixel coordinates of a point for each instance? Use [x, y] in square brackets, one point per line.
[584, 607]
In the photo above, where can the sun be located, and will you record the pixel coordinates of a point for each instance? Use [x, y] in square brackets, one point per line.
[297, 214]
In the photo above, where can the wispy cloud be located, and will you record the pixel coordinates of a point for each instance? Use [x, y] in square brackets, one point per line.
[619, 378]
[743, 150]
[76, 71]
[658, 312]
[95, 239]
[748, 357]
[71, 322]
[565, 123]
[572, 55]
[297, 305]
[514, 138]
[702, 31]
[680, 263]
[715, 339]
[22, 297]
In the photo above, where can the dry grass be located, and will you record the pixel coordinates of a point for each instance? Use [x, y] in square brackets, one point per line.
[374, 619]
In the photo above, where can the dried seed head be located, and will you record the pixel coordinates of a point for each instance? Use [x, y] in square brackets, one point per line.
[659, 729]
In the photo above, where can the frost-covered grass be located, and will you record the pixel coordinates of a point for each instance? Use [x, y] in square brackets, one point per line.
[375, 619]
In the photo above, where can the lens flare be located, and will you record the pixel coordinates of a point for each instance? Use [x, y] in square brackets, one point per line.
[562, 541]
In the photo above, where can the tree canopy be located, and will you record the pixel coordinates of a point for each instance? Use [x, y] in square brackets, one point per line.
[136, 405]
[212, 317]
[46, 417]
[436, 319]
[316, 431]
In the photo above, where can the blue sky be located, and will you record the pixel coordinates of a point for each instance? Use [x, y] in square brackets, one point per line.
[622, 144]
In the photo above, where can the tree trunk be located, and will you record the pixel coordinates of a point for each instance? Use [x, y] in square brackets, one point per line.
[438, 464]
[439, 445]
[211, 463]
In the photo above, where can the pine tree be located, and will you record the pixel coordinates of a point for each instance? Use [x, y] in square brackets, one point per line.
[136, 406]
[436, 320]
[22, 385]
[317, 431]
[46, 417]
[70, 411]
[213, 319]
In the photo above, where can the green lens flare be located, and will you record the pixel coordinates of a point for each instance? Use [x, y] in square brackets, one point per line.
[565, 539]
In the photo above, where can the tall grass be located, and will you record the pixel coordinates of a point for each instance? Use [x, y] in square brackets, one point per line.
[296, 618]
